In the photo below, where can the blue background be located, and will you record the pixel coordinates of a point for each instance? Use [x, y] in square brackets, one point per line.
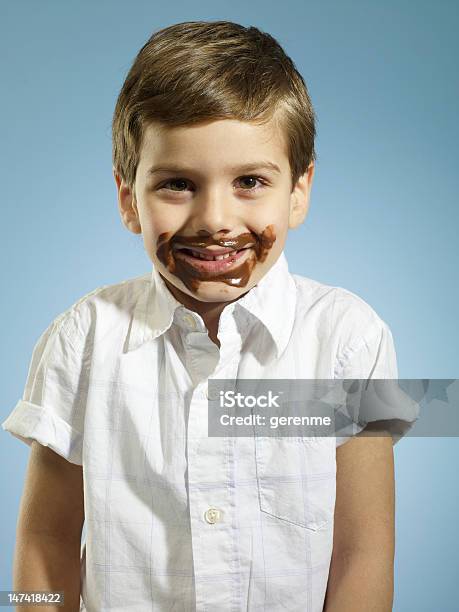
[383, 77]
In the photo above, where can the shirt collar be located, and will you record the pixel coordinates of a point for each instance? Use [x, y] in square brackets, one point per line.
[272, 302]
[153, 312]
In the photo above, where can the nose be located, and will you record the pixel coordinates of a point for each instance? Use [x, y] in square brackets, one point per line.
[212, 213]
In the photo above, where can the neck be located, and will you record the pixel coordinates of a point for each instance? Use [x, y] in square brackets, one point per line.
[209, 311]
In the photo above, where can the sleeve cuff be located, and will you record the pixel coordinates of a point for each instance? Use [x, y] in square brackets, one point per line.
[397, 432]
[29, 422]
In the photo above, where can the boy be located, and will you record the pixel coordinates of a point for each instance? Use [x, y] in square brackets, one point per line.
[213, 155]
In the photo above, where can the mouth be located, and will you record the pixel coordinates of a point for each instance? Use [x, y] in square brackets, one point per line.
[207, 262]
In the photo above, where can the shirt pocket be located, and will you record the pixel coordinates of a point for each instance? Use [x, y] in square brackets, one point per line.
[296, 479]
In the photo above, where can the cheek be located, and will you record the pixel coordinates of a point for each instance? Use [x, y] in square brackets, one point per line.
[273, 209]
[158, 219]
[275, 218]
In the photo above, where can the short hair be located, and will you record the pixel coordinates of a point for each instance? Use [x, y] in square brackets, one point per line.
[198, 71]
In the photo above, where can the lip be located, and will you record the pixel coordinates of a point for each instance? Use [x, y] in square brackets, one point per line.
[206, 251]
[214, 267]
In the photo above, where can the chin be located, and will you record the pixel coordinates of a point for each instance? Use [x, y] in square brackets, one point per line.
[217, 292]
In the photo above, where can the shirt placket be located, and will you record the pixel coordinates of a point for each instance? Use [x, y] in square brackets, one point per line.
[211, 479]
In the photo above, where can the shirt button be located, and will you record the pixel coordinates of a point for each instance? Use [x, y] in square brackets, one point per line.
[211, 396]
[190, 321]
[212, 515]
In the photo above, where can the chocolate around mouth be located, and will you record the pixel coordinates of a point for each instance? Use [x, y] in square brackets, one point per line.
[210, 255]
[236, 276]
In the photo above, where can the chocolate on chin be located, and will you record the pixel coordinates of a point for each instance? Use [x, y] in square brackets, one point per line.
[237, 275]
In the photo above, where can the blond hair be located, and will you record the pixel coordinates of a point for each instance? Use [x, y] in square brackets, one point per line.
[204, 70]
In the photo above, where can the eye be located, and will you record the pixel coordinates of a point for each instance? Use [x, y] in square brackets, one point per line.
[175, 184]
[249, 183]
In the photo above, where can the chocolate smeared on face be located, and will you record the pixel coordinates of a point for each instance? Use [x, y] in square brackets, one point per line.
[192, 274]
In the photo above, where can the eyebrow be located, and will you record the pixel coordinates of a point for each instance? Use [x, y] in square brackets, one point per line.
[261, 165]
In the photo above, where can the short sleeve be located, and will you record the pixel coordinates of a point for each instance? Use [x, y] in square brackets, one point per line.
[51, 410]
[370, 358]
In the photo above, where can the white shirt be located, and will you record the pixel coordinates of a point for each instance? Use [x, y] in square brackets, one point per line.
[175, 519]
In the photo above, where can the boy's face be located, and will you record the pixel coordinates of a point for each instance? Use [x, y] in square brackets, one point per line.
[219, 186]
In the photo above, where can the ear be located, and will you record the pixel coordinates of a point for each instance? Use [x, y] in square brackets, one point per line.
[299, 198]
[127, 205]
